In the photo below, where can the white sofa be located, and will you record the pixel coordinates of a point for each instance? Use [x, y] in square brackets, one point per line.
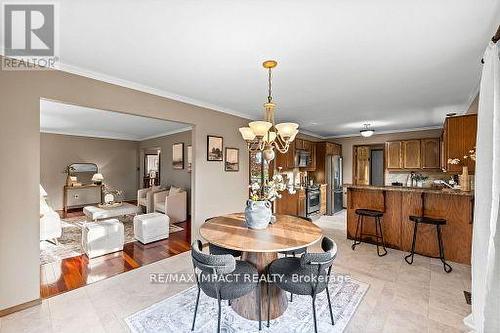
[50, 222]
[172, 203]
[145, 198]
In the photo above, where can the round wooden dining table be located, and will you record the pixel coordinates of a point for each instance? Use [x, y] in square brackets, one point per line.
[260, 247]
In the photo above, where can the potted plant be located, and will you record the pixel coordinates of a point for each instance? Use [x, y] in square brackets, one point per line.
[258, 211]
[420, 179]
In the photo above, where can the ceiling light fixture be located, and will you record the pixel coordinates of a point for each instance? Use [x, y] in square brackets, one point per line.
[265, 136]
[367, 131]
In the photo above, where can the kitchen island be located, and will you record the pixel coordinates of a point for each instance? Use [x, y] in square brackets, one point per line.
[398, 203]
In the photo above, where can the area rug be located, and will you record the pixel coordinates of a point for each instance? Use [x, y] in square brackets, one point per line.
[175, 314]
[70, 243]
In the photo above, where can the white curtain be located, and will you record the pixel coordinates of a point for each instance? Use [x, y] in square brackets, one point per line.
[485, 316]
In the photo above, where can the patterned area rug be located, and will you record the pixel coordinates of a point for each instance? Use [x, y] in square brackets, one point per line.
[71, 239]
[175, 314]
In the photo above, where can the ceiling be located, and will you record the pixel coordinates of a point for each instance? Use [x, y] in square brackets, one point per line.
[77, 120]
[397, 64]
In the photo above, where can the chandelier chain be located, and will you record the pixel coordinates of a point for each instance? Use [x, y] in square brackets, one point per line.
[270, 97]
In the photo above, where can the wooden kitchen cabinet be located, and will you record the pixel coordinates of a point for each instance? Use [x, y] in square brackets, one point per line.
[286, 161]
[411, 154]
[324, 149]
[292, 204]
[459, 137]
[311, 148]
[331, 148]
[322, 207]
[393, 155]
[299, 144]
[430, 153]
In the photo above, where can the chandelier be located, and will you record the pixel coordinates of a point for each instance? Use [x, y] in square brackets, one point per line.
[266, 136]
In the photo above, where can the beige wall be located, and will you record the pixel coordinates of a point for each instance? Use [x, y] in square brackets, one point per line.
[169, 175]
[116, 159]
[214, 191]
[348, 143]
[474, 106]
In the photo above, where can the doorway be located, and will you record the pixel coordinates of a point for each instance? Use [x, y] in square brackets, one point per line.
[368, 165]
[152, 168]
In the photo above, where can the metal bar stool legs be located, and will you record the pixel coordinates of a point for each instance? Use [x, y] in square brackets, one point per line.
[409, 258]
[378, 227]
[447, 268]
[357, 234]
[430, 221]
[379, 234]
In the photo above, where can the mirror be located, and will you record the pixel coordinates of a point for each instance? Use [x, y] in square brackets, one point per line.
[82, 167]
[80, 173]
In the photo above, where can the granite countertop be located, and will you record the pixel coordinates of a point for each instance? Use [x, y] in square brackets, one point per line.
[410, 189]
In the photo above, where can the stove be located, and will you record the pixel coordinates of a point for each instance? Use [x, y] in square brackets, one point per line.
[313, 200]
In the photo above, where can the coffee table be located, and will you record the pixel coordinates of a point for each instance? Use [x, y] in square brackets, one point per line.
[94, 213]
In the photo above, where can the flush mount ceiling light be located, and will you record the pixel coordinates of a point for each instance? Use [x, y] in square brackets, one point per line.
[367, 131]
[265, 136]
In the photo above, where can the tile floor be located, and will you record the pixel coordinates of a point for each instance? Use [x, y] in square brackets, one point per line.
[401, 298]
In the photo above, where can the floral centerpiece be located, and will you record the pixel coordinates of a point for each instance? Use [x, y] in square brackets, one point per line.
[464, 177]
[258, 213]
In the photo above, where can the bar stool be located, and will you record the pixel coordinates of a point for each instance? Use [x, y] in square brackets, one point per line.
[379, 235]
[432, 221]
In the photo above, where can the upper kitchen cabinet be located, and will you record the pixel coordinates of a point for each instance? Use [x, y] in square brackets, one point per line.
[459, 137]
[286, 161]
[430, 153]
[331, 148]
[393, 155]
[311, 148]
[411, 154]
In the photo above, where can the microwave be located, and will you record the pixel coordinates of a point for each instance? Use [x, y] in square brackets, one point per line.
[302, 158]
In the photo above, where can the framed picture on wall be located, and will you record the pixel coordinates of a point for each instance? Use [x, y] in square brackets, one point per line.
[232, 159]
[214, 148]
[178, 156]
[190, 158]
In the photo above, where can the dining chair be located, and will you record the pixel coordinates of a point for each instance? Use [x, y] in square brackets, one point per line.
[219, 250]
[298, 251]
[222, 277]
[307, 275]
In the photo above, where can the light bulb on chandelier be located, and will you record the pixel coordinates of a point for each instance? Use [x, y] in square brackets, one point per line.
[266, 136]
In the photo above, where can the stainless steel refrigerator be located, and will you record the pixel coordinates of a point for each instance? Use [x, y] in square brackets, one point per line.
[334, 195]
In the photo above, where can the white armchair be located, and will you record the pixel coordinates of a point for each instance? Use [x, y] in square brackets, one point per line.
[172, 203]
[50, 222]
[145, 197]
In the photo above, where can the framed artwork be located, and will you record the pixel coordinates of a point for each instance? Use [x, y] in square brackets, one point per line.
[232, 159]
[190, 158]
[214, 148]
[178, 156]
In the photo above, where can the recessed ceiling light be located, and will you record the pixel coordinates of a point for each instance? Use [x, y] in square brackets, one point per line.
[367, 131]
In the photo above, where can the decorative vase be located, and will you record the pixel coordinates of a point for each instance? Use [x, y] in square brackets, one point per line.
[465, 179]
[258, 214]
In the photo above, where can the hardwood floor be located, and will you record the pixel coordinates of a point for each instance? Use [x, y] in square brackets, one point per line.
[76, 272]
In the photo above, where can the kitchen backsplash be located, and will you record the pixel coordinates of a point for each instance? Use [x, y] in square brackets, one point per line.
[401, 177]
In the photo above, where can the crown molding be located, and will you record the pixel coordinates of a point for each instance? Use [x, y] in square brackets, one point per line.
[306, 132]
[388, 132]
[180, 130]
[103, 135]
[147, 89]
